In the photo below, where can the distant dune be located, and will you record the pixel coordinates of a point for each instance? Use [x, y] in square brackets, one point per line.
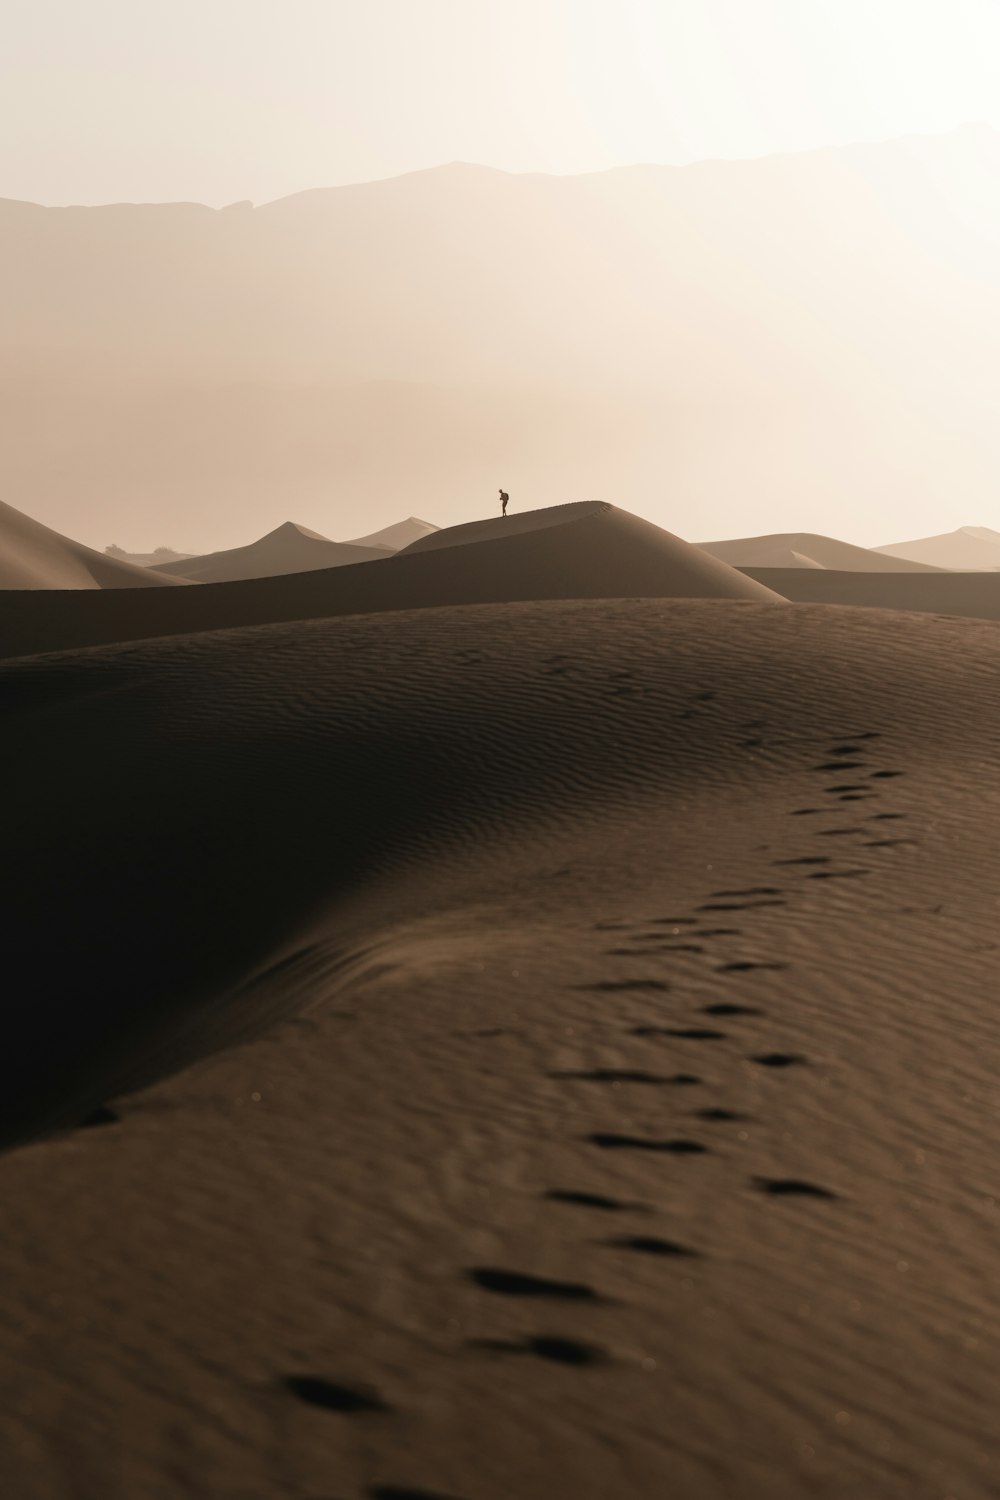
[594, 1010]
[288, 549]
[975, 548]
[157, 559]
[398, 536]
[583, 551]
[34, 557]
[803, 549]
[973, 595]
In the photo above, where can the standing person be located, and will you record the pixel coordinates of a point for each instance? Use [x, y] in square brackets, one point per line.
[504, 497]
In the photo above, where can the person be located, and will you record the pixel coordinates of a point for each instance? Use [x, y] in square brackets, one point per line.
[504, 497]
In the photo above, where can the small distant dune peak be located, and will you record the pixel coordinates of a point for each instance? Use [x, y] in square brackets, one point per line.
[397, 536]
[33, 556]
[289, 548]
[807, 549]
[974, 549]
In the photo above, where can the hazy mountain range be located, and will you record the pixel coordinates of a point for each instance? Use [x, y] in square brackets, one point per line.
[801, 339]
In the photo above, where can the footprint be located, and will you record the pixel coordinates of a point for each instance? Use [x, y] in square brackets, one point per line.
[846, 750]
[707, 932]
[558, 1350]
[724, 1008]
[806, 859]
[886, 817]
[102, 1115]
[745, 965]
[885, 775]
[791, 1187]
[854, 797]
[717, 1114]
[753, 890]
[591, 1200]
[622, 986]
[845, 787]
[315, 1391]
[837, 874]
[778, 1059]
[516, 1284]
[621, 1075]
[837, 833]
[646, 1244]
[841, 765]
[686, 1033]
[610, 1142]
[887, 843]
[806, 812]
[739, 905]
[671, 922]
[405, 1492]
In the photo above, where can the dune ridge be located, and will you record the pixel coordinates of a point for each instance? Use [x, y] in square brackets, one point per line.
[33, 556]
[289, 548]
[811, 551]
[569, 552]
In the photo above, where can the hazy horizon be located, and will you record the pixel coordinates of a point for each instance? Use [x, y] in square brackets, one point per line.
[227, 100]
[731, 265]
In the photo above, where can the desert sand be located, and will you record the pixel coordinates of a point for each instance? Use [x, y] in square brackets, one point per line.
[33, 556]
[583, 551]
[538, 1049]
[973, 548]
[289, 548]
[972, 595]
[802, 549]
[401, 534]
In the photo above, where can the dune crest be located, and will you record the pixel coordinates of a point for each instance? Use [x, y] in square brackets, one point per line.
[804, 549]
[586, 551]
[289, 548]
[33, 556]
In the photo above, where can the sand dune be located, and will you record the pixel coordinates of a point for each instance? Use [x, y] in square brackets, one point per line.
[397, 536]
[973, 595]
[290, 548]
[34, 557]
[798, 549]
[615, 1108]
[564, 552]
[157, 559]
[975, 548]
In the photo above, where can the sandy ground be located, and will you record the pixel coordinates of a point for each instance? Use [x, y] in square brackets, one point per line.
[583, 551]
[595, 1004]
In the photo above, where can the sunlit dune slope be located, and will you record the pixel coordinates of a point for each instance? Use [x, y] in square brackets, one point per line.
[32, 556]
[810, 551]
[564, 552]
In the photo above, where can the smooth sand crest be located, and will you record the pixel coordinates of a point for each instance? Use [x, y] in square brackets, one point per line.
[798, 549]
[563, 552]
[33, 556]
[619, 1118]
[289, 548]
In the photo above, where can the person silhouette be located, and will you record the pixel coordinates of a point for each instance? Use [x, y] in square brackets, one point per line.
[504, 497]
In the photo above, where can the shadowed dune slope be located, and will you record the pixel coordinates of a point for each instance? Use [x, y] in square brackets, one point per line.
[975, 548]
[614, 983]
[32, 556]
[974, 595]
[288, 549]
[600, 553]
[810, 551]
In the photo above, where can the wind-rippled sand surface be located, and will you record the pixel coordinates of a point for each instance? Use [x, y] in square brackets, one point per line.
[596, 1006]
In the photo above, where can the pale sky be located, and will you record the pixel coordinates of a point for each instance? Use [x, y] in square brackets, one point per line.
[217, 100]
